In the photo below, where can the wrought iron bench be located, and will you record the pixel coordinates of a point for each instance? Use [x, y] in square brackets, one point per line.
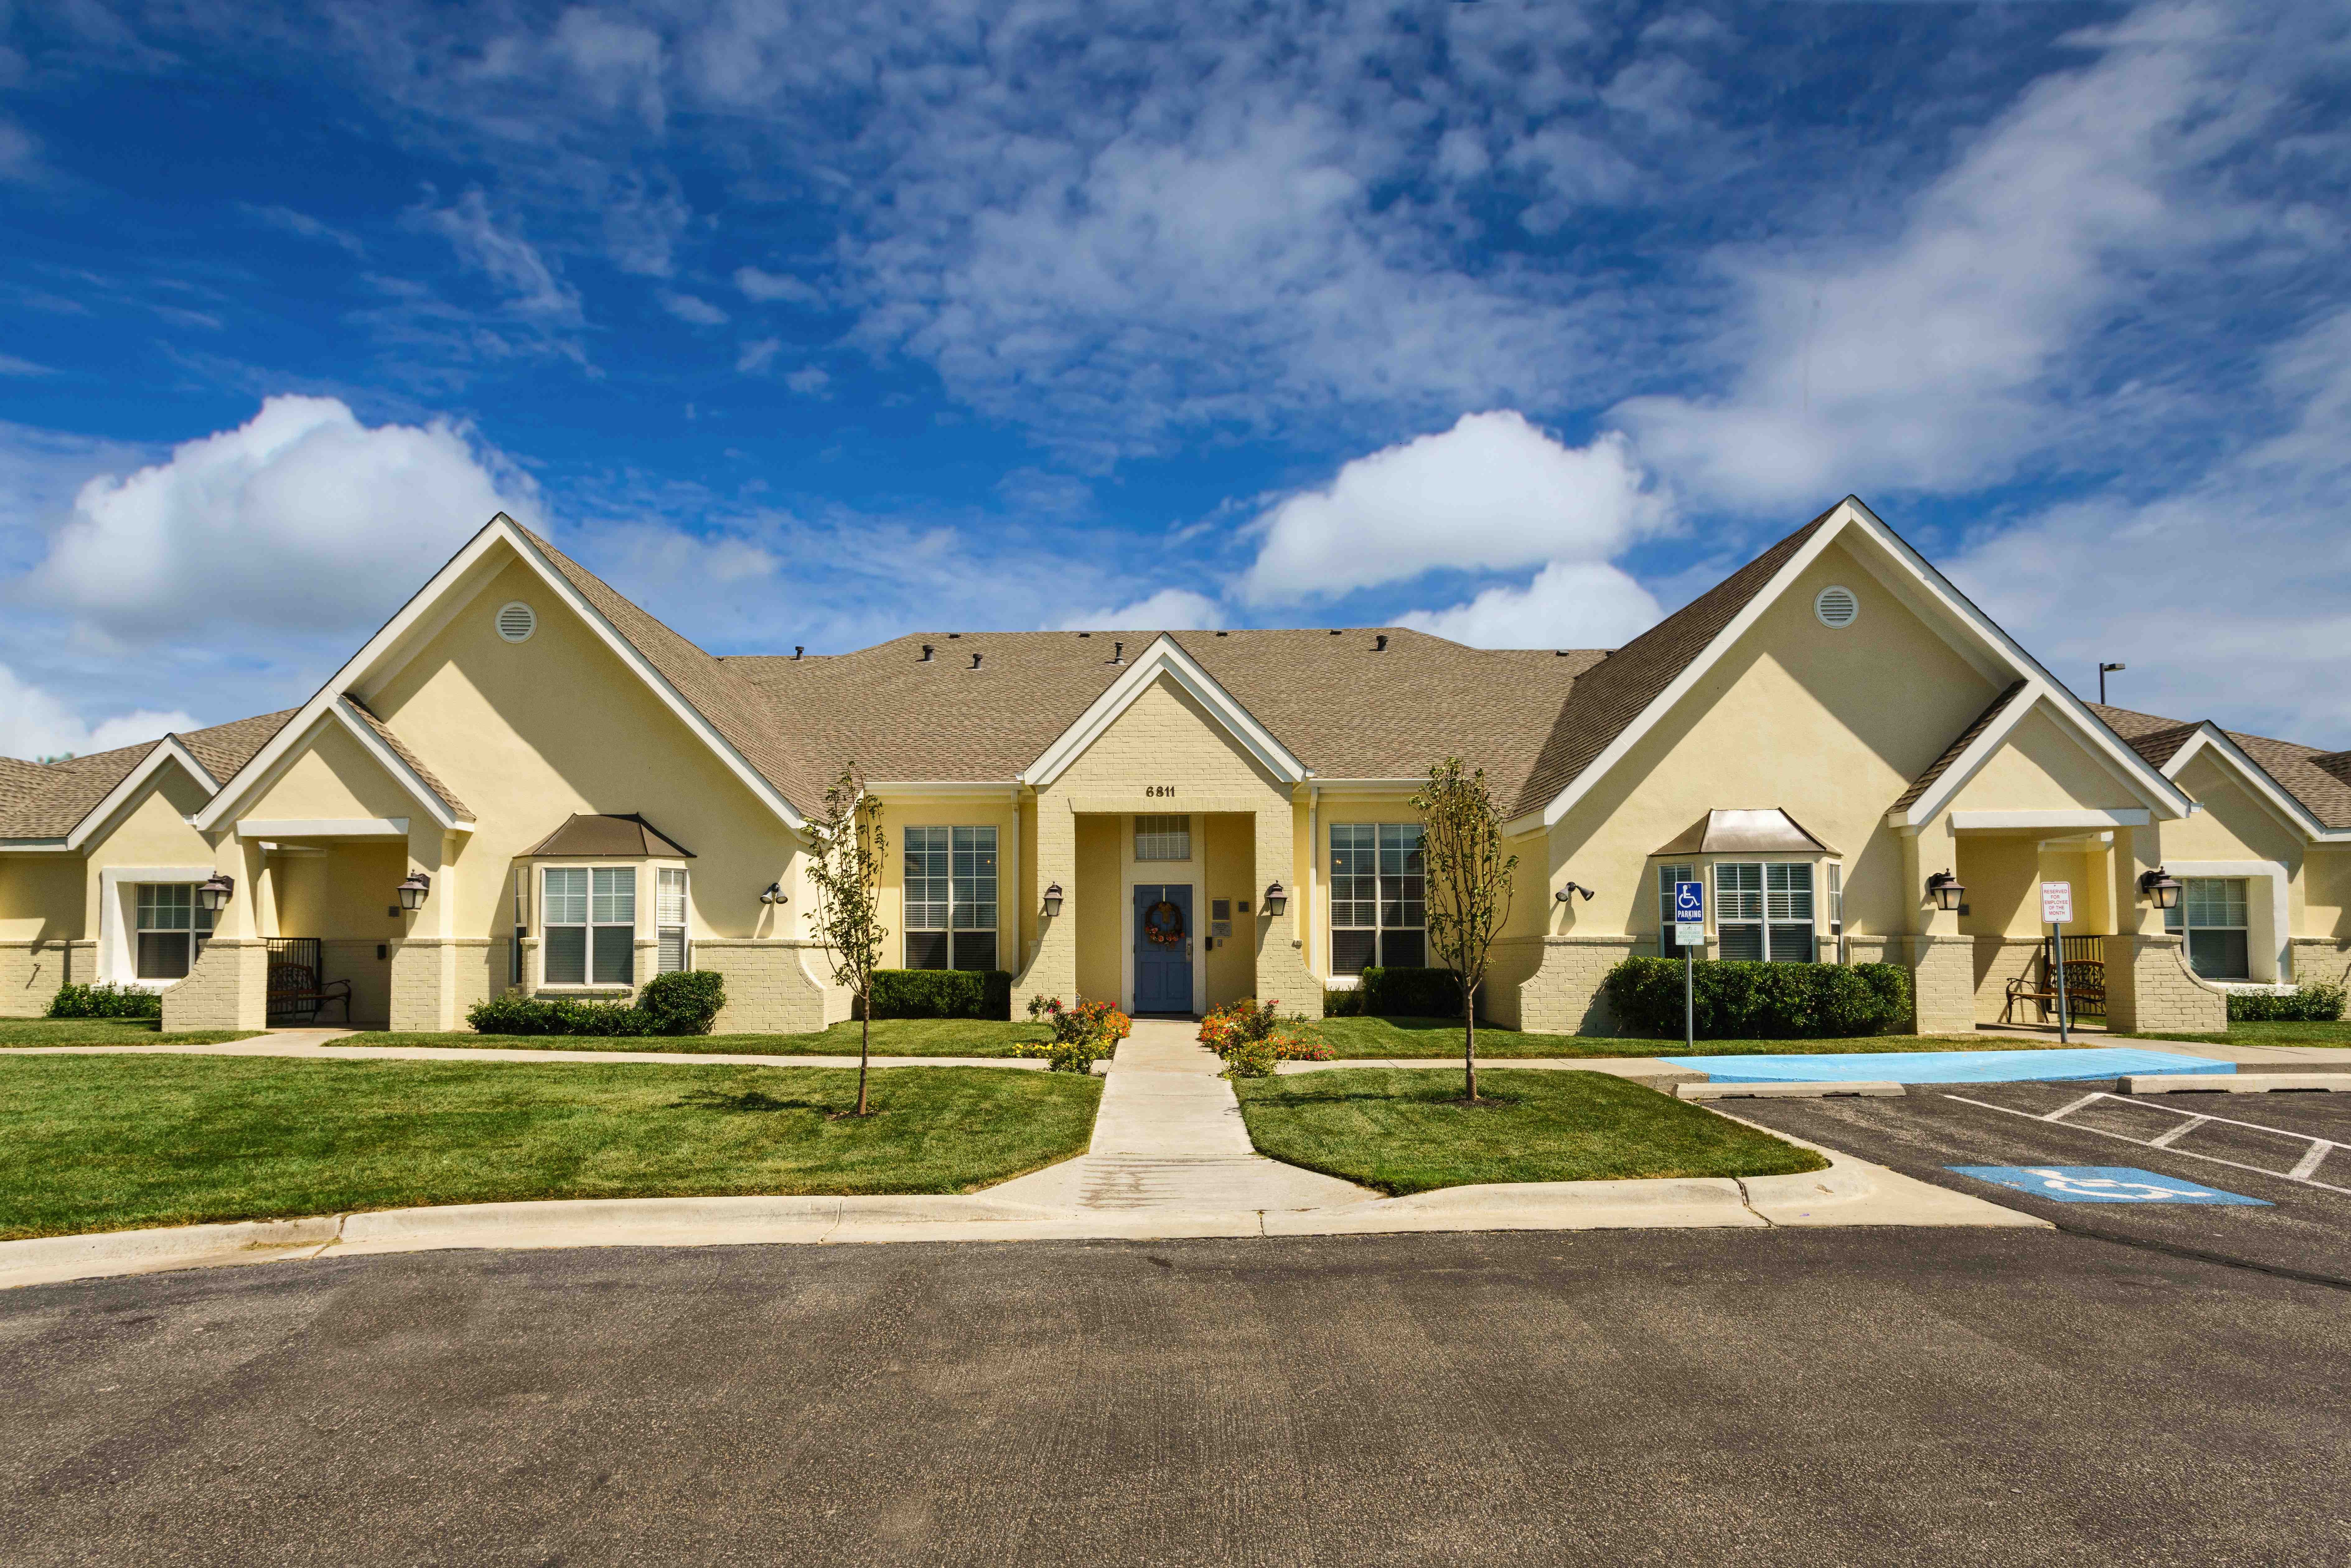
[2085, 984]
[296, 992]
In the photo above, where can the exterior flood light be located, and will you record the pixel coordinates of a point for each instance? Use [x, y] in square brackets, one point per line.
[1571, 888]
[412, 890]
[1947, 890]
[1276, 899]
[215, 894]
[2160, 887]
[1053, 902]
[774, 893]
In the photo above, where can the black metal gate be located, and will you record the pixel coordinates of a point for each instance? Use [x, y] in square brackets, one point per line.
[294, 979]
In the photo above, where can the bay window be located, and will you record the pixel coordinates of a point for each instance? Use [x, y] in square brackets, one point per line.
[669, 919]
[589, 925]
[1377, 889]
[950, 885]
[1763, 911]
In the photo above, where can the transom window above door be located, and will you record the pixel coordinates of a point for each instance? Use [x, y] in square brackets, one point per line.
[950, 898]
[1163, 838]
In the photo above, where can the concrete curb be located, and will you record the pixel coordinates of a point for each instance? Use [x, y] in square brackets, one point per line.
[2235, 1082]
[1784, 1090]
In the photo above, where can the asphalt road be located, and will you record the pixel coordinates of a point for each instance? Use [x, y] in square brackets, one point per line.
[1730, 1396]
[2305, 1233]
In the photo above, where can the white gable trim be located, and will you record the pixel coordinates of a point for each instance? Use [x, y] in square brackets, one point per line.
[298, 737]
[100, 816]
[2008, 656]
[424, 794]
[427, 612]
[1969, 763]
[1163, 657]
[2289, 810]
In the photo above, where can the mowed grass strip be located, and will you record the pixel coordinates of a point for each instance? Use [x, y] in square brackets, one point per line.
[1404, 1129]
[1357, 1038]
[113, 1143]
[109, 1032]
[891, 1037]
[2269, 1033]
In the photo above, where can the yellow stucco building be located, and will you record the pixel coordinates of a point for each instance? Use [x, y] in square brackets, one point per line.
[524, 781]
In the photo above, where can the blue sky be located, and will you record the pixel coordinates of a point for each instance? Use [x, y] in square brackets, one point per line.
[1521, 323]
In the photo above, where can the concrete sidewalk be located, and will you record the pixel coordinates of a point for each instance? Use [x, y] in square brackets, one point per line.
[314, 1044]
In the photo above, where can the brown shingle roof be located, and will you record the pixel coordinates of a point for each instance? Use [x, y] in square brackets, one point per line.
[1959, 743]
[2316, 778]
[609, 833]
[383, 733]
[53, 804]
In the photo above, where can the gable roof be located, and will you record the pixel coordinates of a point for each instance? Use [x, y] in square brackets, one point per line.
[2317, 782]
[1959, 744]
[56, 801]
[425, 775]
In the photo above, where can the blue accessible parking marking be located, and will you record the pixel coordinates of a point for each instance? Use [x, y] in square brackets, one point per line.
[2102, 1183]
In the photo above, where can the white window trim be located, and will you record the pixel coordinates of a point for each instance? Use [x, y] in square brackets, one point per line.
[906, 923]
[117, 919]
[198, 931]
[1379, 942]
[2276, 953]
[1763, 890]
[685, 926]
[635, 928]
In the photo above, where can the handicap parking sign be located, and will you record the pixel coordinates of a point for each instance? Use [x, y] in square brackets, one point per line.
[1689, 903]
[2101, 1184]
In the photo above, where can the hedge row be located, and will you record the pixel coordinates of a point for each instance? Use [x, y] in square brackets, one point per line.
[2311, 1003]
[107, 1001]
[942, 994]
[1398, 993]
[683, 1001]
[1739, 1001]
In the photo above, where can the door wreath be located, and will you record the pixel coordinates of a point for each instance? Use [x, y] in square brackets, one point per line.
[1163, 923]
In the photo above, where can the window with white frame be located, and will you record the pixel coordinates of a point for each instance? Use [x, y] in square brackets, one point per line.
[1163, 838]
[1764, 911]
[1377, 888]
[521, 924]
[950, 898]
[2211, 913]
[173, 926]
[1836, 871]
[588, 920]
[669, 919]
[1667, 876]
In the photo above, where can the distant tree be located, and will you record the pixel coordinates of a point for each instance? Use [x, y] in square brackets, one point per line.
[1468, 884]
[845, 857]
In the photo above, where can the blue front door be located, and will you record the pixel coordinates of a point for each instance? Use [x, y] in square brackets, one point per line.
[1163, 949]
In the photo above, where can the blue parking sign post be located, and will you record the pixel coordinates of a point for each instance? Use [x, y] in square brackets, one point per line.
[1689, 935]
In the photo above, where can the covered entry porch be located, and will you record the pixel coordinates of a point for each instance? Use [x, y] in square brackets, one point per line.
[1167, 907]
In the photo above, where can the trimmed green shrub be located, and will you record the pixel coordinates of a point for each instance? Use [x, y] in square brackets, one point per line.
[2314, 1002]
[1398, 993]
[683, 1001]
[517, 1014]
[107, 1001]
[942, 994]
[1739, 1001]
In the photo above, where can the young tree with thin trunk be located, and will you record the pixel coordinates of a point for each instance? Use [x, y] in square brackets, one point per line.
[845, 856]
[1467, 884]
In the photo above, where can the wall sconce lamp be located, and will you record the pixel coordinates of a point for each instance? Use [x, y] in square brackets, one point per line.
[412, 890]
[215, 893]
[1947, 890]
[774, 893]
[1572, 887]
[1053, 902]
[2160, 888]
[1276, 899]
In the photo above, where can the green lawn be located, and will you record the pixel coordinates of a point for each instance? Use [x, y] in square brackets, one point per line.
[1403, 1130]
[109, 1032]
[2270, 1034]
[112, 1142]
[1403, 1037]
[891, 1037]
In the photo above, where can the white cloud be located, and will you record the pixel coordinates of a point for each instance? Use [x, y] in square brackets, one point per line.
[34, 724]
[300, 518]
[618, 61]
[1492, 494]
[506, 259]
[10, 365]
[1570, 605]
[768, 286]
[689, 308]
[304, 226]
[756, 356]
[1169, 610]
[808, 381]
[1935, 360]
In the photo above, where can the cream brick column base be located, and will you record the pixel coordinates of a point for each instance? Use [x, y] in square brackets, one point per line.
[1281, 973]
[1943, 975]
[1053, 972]
[2321, 961]
[2150, 987]
[772, 988]
[31, 972]
[227, 988]
[1559, 990]
[435, 981]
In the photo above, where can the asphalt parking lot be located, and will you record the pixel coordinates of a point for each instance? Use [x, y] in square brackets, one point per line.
[1719, 1396]
[2300, 1228]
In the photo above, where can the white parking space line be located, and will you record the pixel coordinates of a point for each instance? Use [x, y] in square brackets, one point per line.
[2308, 1167]
[2164, 1140]
[2301, 1173]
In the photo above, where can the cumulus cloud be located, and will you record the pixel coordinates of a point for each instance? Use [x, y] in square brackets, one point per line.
[766, 288]
[35, 723]
[300, 518]
[691, 307]
[808, 381]
[1570, 605]
[1169, 610]
[1492, 494]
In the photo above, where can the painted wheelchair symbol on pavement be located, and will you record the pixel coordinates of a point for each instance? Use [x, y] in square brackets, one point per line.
[2102, 1183]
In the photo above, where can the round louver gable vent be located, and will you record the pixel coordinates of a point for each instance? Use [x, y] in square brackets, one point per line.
[1836, 606]
[517, 621]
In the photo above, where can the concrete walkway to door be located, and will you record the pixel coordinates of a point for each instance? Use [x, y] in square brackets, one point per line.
[1169, 1136]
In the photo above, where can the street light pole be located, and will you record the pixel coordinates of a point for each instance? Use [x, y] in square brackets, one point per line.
[2102, 668]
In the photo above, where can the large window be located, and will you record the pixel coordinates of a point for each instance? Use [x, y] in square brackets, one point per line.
[1667, 876]
[521, 924]
[173, 929]
[2211, 912]
[1377, 886]
[1764, 911]
[590, 925]
[951, 898]
[1163, 838]
[669, 919]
